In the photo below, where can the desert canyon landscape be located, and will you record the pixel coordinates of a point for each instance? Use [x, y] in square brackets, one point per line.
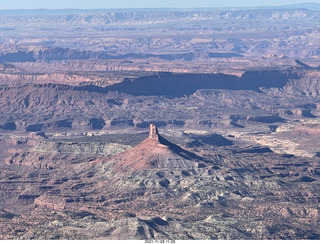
[167, 124]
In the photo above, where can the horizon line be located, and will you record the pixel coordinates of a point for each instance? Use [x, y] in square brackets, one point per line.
[167, 8]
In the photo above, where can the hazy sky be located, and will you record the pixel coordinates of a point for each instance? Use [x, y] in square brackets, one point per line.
[87, 4]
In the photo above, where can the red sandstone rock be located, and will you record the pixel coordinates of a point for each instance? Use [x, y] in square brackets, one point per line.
[155, 152]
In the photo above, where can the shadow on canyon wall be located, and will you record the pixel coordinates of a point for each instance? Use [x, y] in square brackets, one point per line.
[178, 85]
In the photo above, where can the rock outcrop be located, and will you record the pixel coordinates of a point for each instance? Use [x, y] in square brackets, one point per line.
[153, 132]
[156, 152]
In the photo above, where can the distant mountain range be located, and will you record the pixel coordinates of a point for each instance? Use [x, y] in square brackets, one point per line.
[26, 12]
[309, 5]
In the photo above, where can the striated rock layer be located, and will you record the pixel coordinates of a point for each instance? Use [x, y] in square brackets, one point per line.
[156, 152]
[156, 190]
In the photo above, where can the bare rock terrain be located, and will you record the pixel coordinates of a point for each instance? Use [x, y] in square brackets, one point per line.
[159, 124]
[226, 196]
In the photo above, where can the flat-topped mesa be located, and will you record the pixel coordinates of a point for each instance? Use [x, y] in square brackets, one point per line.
[153, 132]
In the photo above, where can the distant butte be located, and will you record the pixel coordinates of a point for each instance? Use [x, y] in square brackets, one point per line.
[156, 152]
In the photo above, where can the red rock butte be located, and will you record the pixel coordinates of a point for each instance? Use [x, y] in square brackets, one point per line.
[153, 132]
[155, 152]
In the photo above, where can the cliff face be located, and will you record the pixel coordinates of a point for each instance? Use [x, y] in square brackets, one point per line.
[308, 84]
[173, 85]
[58, 108]
[57, 78]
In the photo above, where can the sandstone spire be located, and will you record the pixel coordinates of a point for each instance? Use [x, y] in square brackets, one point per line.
[156, 152]
[153, 132]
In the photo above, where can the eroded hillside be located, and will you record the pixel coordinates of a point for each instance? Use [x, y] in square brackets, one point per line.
[230, 99]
